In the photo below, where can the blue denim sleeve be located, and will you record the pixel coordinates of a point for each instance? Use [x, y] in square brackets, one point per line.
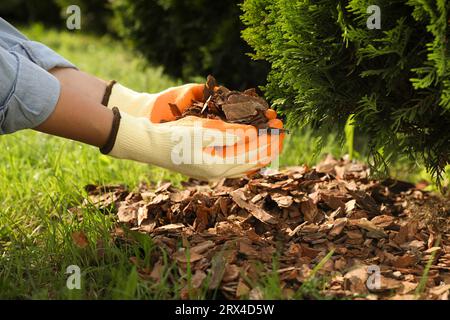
[28, 93]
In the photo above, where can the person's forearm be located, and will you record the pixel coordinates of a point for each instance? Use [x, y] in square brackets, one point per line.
[79, 114]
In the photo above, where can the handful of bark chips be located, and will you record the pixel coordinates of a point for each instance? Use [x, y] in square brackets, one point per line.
[220, 103]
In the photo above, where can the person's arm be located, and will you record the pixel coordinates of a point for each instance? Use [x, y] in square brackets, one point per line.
[63, 102]
[79, 114]
[29, 93]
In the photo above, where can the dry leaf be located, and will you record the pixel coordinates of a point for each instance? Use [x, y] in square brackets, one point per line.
[383, 221]
[202, 247]
[142, 214]
[170, 227]
[310, 211]
[80, 239]
[338, 226]
[283, 201]
[185, 257]
[127, 214]
[242, 289]
[254, 210]
[157, 270]
[247, 249]
[355, 280]
[375, 232]
[198, 278]
[350, 206]
[231, 273]
[405, 261]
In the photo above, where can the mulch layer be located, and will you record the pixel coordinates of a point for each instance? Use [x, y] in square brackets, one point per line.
[364, 238]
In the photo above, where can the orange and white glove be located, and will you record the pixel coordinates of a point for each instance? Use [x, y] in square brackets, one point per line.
[205, 149]
[154, 106]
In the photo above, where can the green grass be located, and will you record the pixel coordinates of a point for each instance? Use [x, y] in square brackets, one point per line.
[42, 177]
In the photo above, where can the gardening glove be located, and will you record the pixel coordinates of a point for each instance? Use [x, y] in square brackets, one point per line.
[155, 106]
[205, 149]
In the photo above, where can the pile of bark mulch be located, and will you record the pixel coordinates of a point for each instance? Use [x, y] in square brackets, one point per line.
[233, 231]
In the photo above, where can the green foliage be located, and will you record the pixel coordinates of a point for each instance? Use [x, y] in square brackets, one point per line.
[27, 11]
[350, 136]
[96, 15]
[190, 38]
[326, 65]
[426, 272]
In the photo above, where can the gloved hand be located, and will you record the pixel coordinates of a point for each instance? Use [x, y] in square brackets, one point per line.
[154, 106]
[205, 149]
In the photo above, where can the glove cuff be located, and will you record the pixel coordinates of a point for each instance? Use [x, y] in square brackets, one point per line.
[108, 91]
[109, 145]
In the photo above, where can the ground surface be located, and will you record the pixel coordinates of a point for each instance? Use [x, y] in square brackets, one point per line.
[42, 179]
[329, 231]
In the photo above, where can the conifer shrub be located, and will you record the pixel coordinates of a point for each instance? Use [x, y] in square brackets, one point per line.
[327, 66]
